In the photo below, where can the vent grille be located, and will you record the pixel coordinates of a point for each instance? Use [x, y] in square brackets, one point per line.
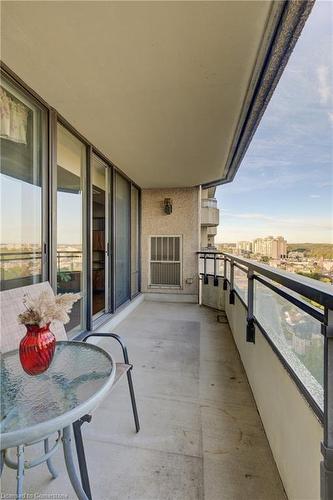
[165, 261]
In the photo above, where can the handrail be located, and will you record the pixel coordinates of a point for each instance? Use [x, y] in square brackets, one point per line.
[319, 292]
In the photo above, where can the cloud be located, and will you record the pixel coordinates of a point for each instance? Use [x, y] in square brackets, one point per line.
[324, 87]
[314, 195]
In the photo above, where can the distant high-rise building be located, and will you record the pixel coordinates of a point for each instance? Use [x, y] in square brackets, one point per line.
[244, 246]
[272, 247]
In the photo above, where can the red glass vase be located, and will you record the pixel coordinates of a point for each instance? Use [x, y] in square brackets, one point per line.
[37, 349]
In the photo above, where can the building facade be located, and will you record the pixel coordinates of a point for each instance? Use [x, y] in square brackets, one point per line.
[272, 247]
[244, 247]
[210, 219]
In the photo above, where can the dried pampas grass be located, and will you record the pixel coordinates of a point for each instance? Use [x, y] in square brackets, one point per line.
[46, 308]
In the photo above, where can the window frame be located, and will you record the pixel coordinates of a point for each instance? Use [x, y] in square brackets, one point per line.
[166, 286]
[29, 98]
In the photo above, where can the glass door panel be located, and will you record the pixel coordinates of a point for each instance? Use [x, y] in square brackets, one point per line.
[122, 240]
[71, 222]
[22, 132]
[99, 236]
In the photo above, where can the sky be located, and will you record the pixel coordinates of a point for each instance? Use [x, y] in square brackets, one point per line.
[284, 185]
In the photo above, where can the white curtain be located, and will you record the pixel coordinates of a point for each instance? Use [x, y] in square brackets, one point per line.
[13, 119]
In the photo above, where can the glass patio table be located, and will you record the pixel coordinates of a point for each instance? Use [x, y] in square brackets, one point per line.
[34, 407]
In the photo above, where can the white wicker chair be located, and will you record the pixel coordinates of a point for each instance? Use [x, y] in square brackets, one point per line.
[11, 305]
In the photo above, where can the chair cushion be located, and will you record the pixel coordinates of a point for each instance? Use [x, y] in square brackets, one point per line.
[11, 305]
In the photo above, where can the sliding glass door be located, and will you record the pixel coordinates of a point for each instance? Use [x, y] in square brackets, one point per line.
[22, 145]
[101, 184]
[71, 223]
[122, 239]
[35, 241]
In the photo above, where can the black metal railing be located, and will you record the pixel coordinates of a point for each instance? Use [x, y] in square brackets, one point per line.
[315, 301]
[22, 266]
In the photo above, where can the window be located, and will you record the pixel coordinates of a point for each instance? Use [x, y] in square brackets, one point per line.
[122, 243]
[22, 143]
[165, 261]
[71, 222]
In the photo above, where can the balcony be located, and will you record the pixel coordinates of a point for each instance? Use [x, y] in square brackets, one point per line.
[209, 212]
[235, 398]
[201, 435]
[211, 230]
[209, 203]
[280, 324]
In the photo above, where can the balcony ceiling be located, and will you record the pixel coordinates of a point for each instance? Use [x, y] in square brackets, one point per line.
[160, 88]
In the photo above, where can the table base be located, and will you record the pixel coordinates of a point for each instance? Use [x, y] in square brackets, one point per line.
[82, 490]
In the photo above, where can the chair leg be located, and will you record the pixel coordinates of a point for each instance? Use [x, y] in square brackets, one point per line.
[129, 380]
[81, 455]
[134, 408]
[129, 375]
[49, 463]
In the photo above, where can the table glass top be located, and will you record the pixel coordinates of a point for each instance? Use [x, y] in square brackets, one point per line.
[77, 372]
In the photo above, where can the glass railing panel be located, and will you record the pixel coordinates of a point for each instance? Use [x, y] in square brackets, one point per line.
[209, 203]
[297, 336]
[219, 266]
[240, 283]
[227, 271]
[210, 265]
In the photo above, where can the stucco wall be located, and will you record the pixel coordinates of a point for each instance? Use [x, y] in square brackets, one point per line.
[184, 221]
[292, 429]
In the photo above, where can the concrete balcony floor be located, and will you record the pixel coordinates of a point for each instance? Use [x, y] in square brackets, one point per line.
[201, 435]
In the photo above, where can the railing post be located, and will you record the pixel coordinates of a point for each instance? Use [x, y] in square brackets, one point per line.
[225, 279]
[232, 292]
[205, 270]
[326, 466]
[250, 328]
[216, 280]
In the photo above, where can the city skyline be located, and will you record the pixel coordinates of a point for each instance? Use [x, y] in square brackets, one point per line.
[284, 185]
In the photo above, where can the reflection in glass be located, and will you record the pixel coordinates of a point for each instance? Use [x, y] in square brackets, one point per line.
[71, 162]
[296, 334]
[99, 235]
[21, 129]
[134, 240]
[122, 243]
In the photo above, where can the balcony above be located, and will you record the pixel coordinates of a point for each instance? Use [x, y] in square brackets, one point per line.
[211, 230]
[209, 213]
[209, 203]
